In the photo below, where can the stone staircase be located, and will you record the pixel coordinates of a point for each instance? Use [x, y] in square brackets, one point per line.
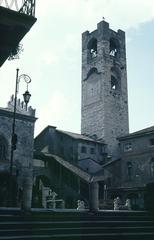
[74, 225]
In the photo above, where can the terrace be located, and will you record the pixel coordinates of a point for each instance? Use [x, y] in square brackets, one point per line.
[16, 19]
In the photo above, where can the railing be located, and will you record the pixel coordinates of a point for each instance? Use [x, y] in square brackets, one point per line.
[23, 6]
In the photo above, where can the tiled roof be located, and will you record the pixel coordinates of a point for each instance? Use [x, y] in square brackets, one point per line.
[79, 136]
[138, 133]
[71, 134]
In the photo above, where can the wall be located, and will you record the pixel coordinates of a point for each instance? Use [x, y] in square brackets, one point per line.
[140, 157]
[23, 155]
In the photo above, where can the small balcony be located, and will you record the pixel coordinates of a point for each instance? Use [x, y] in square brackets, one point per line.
[16, 19]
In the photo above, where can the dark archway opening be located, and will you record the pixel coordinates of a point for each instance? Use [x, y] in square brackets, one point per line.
[114, 83]
[40, 181]
[92, 47]
[8, 190]
[149, 197]
[114, 47]
[91, 71]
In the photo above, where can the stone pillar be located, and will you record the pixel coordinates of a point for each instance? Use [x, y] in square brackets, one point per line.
[27, 194]
[93, 197]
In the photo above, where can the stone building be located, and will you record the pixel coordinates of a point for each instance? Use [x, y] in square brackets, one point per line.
[66, 162]
[22, 168]
[137, 171]
[105, 161]
[82, 151]
[132, 175]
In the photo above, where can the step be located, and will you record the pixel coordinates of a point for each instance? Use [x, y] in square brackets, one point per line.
[36, 224]
[106, 236]
[70, 224]
[77, 225]
[85, 230]
[4, 218]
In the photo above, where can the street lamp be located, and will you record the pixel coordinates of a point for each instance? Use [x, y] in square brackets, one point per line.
[26, 96]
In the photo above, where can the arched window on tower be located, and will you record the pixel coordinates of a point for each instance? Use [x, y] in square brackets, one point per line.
[114, 47]
[115, 81]
[3, 149]
[92, 48]
[91, 71]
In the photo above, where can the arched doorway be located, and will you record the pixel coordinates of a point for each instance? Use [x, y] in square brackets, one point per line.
[149, 196]
[8, 190]
[40, 182]
[134, 199]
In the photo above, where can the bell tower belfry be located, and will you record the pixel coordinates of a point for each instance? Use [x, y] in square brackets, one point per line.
[104, 111]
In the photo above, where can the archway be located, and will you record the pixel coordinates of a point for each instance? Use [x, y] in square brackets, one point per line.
[134, 199]
[40, 182]
[114, 47]
[8, 190]
[149, 196]
[92, 48]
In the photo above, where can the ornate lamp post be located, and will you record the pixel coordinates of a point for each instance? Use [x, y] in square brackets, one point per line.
[26, 96]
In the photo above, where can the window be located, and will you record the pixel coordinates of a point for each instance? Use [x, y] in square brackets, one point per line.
[129, 170]
[91, 71]
[92, 150]
[71, 150]
[61, 150]
[83, 149]
[115, 80]
[128, 147]
[92, 46]
[114, 83]
[152, 141]
[103, 150]
[93, 49]
[46, 164]
[114, 47]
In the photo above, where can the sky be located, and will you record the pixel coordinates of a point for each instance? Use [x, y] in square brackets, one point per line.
[52, 58]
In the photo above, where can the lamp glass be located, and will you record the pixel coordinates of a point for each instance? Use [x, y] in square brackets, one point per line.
[26, 96]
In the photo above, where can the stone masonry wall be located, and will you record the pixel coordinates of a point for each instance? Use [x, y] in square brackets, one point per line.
[23, 155]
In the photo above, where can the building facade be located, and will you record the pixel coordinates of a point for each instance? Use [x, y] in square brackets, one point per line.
[22, 165]
[66, 163]
[78, 149]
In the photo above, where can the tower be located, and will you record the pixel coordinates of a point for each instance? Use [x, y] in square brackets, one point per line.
[104, 112]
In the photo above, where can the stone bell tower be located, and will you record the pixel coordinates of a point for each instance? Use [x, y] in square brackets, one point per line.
[104, 113]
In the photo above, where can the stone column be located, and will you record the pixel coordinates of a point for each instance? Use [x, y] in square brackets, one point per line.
[93, 197]
[27, 193]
